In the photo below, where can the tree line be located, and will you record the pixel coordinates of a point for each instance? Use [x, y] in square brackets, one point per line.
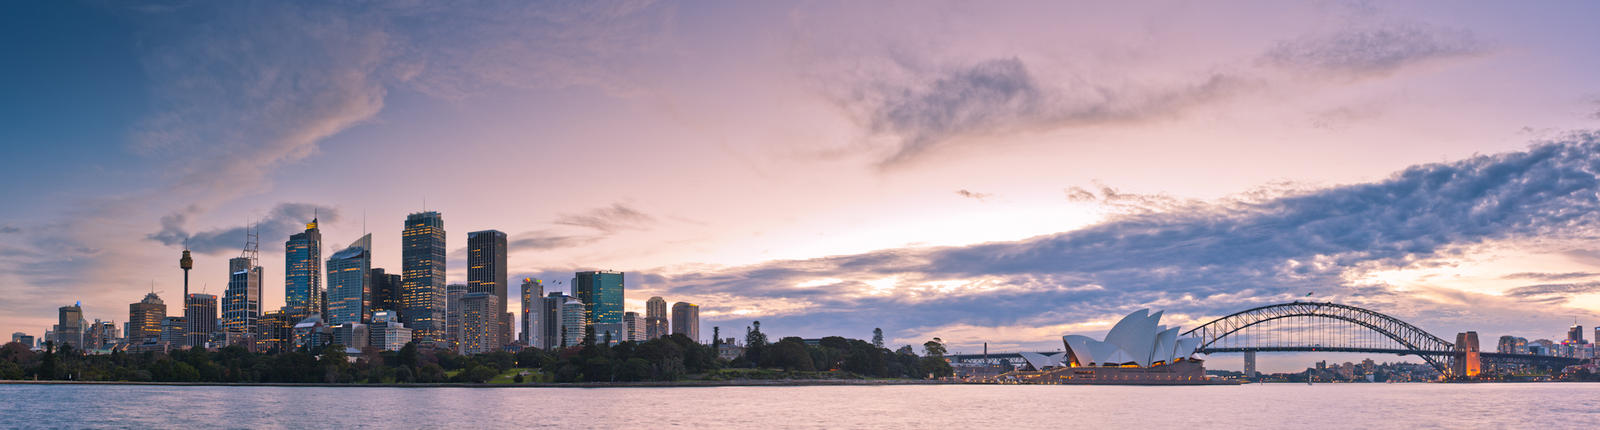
[669, 358]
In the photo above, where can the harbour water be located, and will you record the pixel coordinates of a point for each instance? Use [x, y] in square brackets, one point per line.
[1278, 406]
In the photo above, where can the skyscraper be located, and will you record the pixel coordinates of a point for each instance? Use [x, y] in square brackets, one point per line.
[452, 335]
[241, 302]
[486, 273]
[1575, 334]
[480, 323]
[200, 319]
[422, 293]
[144, 319]
[69, 325]
[302, 283]
[350, 283]
[273, 331]
[655, 318]
[686, 320]
[532, 303]
[633, 330]
[564, 322]
[601, 294]
[385, 291]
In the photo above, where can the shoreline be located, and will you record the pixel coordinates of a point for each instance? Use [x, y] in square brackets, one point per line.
[640, 384]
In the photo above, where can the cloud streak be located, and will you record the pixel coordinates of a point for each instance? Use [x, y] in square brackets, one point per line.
[1371, 52]
[284, 220]
[608, 220]
[1203, 260]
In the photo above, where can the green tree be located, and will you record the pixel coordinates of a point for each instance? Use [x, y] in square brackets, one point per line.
[877, 338]
[754, 343]
[933, 348]
[789, 354]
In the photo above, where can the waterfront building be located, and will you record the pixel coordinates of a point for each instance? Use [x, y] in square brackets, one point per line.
[422, 289]
[686, 320]
[486, 272]
[633, 327]
[385, 291]
[69, 326]
[655, 318]
[532, 303]
[350, 283]
[480, 323]
[241, 302]
[302, 273]
[601, 293]
[387, 332]
[144, 319]
[274, 332]
[453, 317]
[729, 349]
[1137, 350]
[200, 315]
[351, 335]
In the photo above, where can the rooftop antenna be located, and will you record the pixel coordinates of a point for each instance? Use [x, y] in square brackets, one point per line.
[252, 243]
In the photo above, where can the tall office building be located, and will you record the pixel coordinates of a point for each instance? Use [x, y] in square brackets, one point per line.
[241, 302]
[532, 303]
[69, 326]
[144, 319]
[1575, 334]
[486, 273]
[633, 330]
[422, 293]
[480, 323]
[453, 295]
[601, 294]
[174, 330]
[385, 291]
[274, 331]
[655, 318]
[564, 321]
[200, 319]
[302, 274]
[350, 283]
[686, 320]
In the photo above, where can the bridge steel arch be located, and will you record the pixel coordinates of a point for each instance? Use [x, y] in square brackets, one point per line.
[1415, 341]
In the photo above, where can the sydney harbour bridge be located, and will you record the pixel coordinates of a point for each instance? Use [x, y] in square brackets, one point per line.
[1332, 327]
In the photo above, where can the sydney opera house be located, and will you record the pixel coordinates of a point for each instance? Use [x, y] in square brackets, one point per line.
[1138, 350]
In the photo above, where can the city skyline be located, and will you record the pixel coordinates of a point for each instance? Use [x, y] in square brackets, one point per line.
[958, 178]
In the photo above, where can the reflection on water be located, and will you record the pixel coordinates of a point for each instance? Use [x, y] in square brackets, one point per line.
[940, 406]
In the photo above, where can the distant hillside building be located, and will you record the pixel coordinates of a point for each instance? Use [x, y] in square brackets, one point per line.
[686, 320]
[655, 318]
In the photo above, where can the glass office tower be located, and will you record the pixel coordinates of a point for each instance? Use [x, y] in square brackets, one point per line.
[350, 283]
[601, 294]
[422, 294]
[302, 274]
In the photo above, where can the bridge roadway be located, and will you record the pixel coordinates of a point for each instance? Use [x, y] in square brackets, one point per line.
[1541, 360]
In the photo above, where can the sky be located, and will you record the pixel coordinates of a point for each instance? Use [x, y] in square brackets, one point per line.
[998, 172]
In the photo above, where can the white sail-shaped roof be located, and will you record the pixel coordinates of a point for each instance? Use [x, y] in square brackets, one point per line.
[1041, 361]
[1166, 344]
[1079, 347]
[1135, 336]
[1138, 338]
[1186, 347]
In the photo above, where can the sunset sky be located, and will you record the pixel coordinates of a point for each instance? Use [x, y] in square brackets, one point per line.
[976, 171]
